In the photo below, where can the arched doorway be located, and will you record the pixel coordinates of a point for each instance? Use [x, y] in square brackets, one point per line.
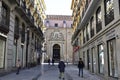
[56, 52]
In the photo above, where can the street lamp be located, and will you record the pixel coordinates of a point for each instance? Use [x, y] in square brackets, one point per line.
[65, 26]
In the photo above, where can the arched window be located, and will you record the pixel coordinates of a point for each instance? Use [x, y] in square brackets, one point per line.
[23, 33]
[92, 24]
[98, 20]
[16, 28]
[109, 11]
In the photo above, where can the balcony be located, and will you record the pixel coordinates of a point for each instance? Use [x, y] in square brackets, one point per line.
[30, 3]
[14, 1]
[25, 12]
[109, 17]
[4, 22]
[4, 27]
[86, 16]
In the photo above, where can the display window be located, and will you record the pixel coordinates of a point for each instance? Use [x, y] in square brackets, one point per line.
[101, 58]
[2, 53]
[88, 59]
[93, 60]
[112, 60]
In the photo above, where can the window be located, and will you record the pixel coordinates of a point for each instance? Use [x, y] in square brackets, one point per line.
[84, 56]
[5, 14]
[80, 39]
[2, 52]
[84, 35]
[64, 24]
[112, 66]
[119, 6]
[56, 24]
[101, 58]
[92, 26]
[93, 60]
[47, 23]
[32, 35]
[109, 11]
[23, 34]
[88, 59]
[98, 20]
[16, 28]
[87, 32]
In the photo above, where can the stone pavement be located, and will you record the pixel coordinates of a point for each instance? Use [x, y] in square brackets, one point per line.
[50, 72]
[71, 73]
[26, 74]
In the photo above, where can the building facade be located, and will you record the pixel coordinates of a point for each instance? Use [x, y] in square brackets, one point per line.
[97, 33]
[21, 35]
[58, 37]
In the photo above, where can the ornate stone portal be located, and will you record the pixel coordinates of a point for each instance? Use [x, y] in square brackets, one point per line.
[56, 39]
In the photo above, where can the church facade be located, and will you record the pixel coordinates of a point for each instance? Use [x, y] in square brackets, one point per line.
[58, 38]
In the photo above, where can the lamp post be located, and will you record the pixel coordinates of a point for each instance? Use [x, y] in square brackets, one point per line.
[65, 26]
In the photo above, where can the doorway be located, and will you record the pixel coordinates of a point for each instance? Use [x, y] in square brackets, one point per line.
[56, 53]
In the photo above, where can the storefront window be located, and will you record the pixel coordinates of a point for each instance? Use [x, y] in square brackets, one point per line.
[93, 60]
[101, 58]
[88, 59]
[112, 59]
[2, 51]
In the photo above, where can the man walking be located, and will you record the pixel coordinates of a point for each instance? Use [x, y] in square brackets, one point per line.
[18, 65]
[80, 67]
[61, 67]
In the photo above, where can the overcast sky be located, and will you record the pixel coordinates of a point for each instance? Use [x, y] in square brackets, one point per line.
[58, 7]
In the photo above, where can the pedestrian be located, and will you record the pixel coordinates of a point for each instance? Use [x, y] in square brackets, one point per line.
[61, 67]
[53, 61]
[80, 67]
[18, 65]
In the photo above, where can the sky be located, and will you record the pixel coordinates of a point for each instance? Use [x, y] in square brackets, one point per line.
[58, 7]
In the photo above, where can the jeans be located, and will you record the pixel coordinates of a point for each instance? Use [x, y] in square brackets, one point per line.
[61, 75]
[80, 72]
[18, 70]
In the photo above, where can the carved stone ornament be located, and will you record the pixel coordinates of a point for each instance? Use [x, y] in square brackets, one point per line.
[56, 36]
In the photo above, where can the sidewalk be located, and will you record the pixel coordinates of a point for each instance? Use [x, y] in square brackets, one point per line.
[26, 74]
[72, 74]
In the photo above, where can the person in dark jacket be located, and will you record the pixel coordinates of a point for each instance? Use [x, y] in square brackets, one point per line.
[80, 67]
[61, 67]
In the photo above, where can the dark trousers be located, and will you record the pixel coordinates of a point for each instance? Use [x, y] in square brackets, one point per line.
[18, 70]
[80, 72]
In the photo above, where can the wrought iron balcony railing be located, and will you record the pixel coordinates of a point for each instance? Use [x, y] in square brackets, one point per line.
[109, 17]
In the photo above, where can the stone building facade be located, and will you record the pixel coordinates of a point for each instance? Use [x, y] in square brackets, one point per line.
[21, 35]
[97, 34]
[58, 37]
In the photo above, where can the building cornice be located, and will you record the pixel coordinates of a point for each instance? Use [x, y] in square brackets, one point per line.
[59, 17]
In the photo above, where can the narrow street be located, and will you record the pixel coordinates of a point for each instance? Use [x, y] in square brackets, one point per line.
[50, 72]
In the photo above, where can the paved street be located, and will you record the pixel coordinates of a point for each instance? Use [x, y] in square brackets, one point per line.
[50, 72]
[70, 74]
